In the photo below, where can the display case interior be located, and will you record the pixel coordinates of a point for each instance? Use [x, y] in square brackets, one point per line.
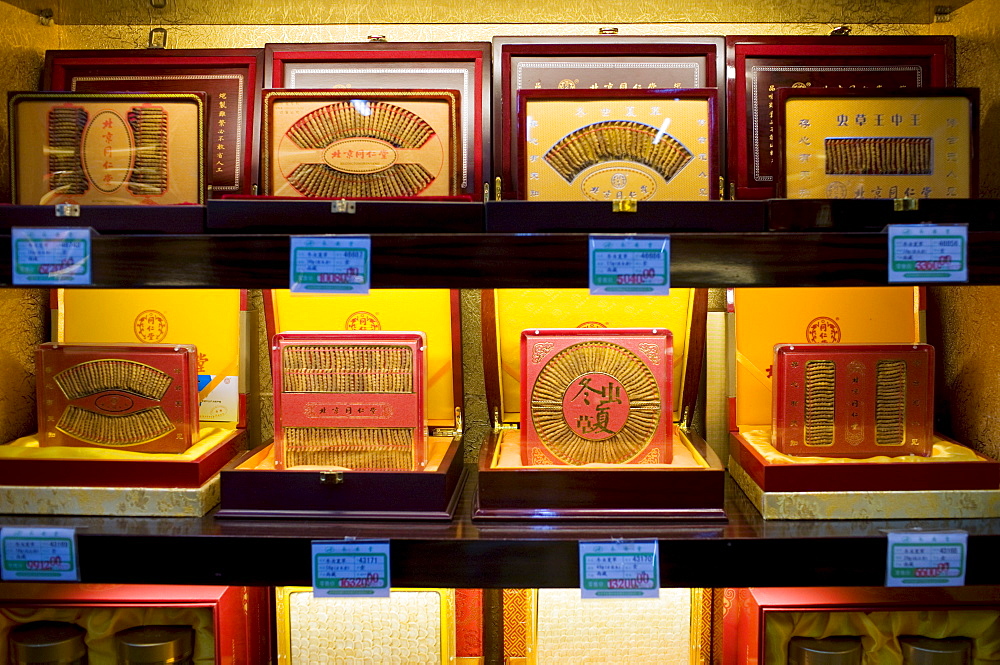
[800, 482]
[513, 485]
[100, 480]
[256, 486]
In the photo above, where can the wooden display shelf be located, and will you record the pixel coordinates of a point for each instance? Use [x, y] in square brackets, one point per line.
[747, 551]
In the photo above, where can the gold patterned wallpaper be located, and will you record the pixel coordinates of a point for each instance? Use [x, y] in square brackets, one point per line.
[248, 12]
[23, 325]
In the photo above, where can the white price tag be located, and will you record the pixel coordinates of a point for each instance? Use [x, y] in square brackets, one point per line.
[50, 256]
[619, 569]
[44, 555]
[926, 558]
[630, 265]
[350, 568]
[330, 264]
[928, 253]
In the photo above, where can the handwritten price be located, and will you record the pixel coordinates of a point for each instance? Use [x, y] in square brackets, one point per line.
[369, 580]
[641, 581]
[936, 571]
[934, 265]
[51, 564]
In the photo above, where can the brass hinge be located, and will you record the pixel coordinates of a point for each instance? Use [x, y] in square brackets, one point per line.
[450, 431]
[499, 425]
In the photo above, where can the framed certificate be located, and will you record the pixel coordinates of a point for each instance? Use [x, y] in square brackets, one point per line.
[107, 148]
[602, 145]
[230, 79]
[460, 66]
[862, 145]
[761, 66]
[592, 63]
[361, 143]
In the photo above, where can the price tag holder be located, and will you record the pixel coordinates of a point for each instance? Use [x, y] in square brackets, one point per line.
[357, 568]
[50, 256]
[630, 265]
[38, 555]
[330, 264]
[619, 569]
[926, 558]
[928, 253]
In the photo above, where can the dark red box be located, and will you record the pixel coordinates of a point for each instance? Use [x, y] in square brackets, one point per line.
[760, 62]
[461, 66]
[586, 62]
[239, 623]
[231, 79]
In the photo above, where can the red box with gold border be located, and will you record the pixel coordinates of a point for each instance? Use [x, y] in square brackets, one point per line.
[97, 481]
[689, 487]
[602, 145]
[252, 485]
[231, 78]
[757, 624]
[953, 481]
[759, 65]
[582, 63]
[231, 624]
[460, 66]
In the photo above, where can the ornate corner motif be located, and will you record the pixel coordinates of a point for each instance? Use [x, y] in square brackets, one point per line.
[650, 351]
[540, 350]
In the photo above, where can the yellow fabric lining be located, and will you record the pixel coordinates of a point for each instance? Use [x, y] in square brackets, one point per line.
[878, 631]
[102, 622]
[944, 451]
[508, 456]
[27, 448]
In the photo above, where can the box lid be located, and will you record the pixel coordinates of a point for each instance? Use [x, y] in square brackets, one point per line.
[507, 312]
[211, 319]
[435, 312]
[770, 316]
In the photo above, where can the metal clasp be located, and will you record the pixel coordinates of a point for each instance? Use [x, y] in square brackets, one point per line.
[624, 205]
[67, 210]
[331, 477]
[608, 31]
[905, 205]
[343, 206]
[376, 38]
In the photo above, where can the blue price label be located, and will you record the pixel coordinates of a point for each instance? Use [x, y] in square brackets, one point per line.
[330, 264]
[619, 569]
[50, 256]
[41, 555]
[921, 559]
[350, 568]
[629, 265]
[928, 253]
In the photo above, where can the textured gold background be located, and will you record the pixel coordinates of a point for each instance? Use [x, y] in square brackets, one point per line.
[964, 317]
[500, 11]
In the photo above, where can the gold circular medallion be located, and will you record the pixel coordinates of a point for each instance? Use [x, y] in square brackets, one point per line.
[595, 402]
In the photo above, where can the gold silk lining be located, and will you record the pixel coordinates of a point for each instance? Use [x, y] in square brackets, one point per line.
[437, 447]
[944, 451]
[27, 448]
[508, 456]
[101, 624]
[878, 631]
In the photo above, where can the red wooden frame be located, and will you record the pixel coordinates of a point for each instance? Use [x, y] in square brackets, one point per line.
[934, 55]
[711, 95]
[127, 68]
[475, 105]
[596, 49]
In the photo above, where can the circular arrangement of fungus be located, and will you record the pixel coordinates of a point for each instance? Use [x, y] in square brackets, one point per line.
[595, 402]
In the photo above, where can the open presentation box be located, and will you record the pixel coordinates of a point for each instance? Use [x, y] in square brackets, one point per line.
[60, 480]
[253, 487]
[953, 482]
[757, 624]
[231, 624]
[689, 487]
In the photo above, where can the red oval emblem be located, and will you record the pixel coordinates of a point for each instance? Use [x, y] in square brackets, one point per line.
[114, 402]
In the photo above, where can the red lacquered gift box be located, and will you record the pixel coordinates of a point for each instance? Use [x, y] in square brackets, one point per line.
[138, 398]
[231, 624]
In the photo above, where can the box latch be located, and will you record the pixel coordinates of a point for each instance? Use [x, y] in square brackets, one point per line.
[331, 477]
[67, 210]
[624, 205]
[905, 205]
[343, 207]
